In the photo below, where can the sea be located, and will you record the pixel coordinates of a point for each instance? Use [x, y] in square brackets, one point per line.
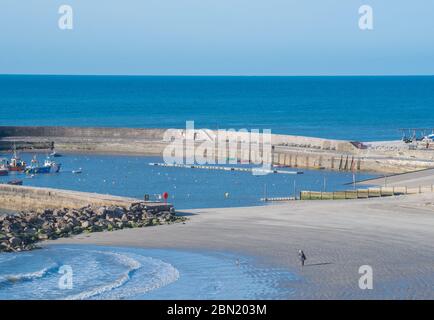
[85, 272]
[351, 108]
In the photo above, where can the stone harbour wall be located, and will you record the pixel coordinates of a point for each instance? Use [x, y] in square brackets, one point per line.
[32, 198]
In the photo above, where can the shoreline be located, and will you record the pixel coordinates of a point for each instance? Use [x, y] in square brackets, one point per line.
[388, 236]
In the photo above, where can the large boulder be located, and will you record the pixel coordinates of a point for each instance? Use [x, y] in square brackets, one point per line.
[85, 224]
[15, 241]
[114, 212]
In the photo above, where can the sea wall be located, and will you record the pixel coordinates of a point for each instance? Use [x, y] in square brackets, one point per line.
[294, 151]
[6, 145]
[21, 198]
[111, 139]
[142, 141]
[81, 132]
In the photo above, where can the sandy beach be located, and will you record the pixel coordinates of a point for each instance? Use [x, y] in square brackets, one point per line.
[393, 235]
[409, 179]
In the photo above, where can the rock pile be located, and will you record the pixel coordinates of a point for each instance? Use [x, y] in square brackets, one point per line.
[21, 231]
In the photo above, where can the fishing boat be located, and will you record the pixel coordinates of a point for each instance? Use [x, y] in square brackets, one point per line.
[55, 167]
[15, 182]
[49, 166]
[16, 164]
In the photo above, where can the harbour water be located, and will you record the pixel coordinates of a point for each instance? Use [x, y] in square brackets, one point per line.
[132, 176]
[130, 273]
[352, 108]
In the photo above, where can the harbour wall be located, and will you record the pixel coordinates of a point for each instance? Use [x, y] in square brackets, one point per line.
[345, 161]
[80, 132]
[110, 138]
[293, 151]
[139, 141]
[22, 198]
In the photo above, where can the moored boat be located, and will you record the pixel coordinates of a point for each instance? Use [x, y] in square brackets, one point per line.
[55, 154]
[15, 182]
[55, 167]
[49, 166]
[16, 164]
[37, 169]
[4, 171]
[77, 171]
[3, 167]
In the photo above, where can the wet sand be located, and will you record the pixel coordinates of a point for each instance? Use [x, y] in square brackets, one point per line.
[395, 236]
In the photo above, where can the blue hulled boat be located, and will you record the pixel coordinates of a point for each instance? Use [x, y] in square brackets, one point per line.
[48, 167]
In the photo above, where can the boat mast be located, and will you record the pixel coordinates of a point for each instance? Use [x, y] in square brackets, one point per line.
[15, 151]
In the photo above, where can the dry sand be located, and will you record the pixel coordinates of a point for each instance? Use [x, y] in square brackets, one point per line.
[393, 235]
[410, 179]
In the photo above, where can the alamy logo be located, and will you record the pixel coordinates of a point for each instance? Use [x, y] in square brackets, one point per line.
[66, 21]
[204, 146]
[366, 20]
[65, 281]
[366, 281]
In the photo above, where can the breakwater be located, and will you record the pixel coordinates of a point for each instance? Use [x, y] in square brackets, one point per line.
[20, 198]
[22, 230]
[291, 151]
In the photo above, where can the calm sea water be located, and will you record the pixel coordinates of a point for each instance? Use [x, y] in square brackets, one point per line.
[129, 273]
[188, 188]
[358, 108]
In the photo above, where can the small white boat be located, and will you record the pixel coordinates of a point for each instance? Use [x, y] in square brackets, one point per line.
[428, 138]
[54, 154]
[4, 171]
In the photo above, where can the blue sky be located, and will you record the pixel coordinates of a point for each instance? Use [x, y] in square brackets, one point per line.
[225, 37]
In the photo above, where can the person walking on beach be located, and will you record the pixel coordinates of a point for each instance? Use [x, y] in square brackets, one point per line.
[302, 257]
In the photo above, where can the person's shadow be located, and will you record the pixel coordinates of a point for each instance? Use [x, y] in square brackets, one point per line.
[317, 264]
[185, 214]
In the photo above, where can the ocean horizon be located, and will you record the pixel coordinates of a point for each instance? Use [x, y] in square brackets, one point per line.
[362, 108]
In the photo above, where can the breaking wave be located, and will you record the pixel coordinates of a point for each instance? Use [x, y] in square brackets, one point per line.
[98, 272]
[28, 276]
[163, 274]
